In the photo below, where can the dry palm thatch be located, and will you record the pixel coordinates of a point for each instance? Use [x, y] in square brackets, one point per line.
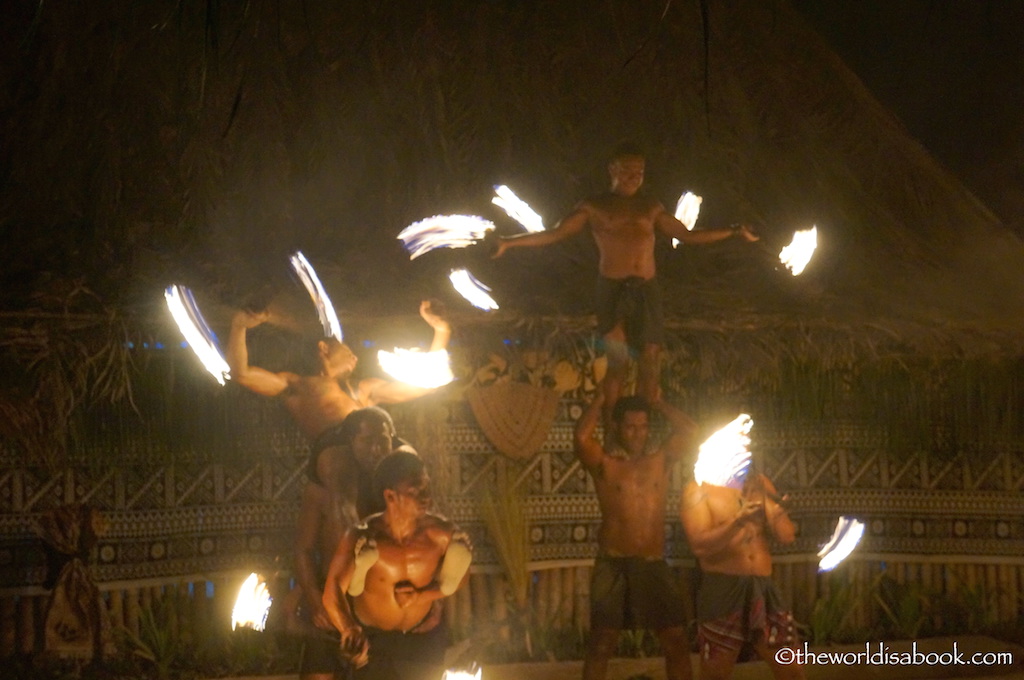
[63, 353]
[200, 142]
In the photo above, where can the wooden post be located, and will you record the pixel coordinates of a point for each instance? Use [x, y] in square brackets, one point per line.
[172, 603]
[200, 607]
[26, 625]
[461, 610]
[1008, 589]
[40, 606]
[858, 575]
[898, 571]
[116, 609]
[499, 603]
[555, 599]
[8, 636]
[225, 591]
[132, 610]
[481, 594]
[565, 605]
[146, 599]
[581, 610]
[543, 598]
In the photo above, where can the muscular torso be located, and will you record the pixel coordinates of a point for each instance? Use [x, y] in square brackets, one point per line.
[624, 229]
[748, 551]
[317, 403]
[631, 494]
[415, 560]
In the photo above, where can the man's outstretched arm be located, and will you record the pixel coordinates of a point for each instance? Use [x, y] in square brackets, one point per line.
[670, 226]
[259, 380]
[571, 224]
[395, 392]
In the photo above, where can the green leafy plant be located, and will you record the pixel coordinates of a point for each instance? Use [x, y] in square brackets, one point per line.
[907, 606]
[830, 615]
[635, 643]
[969, 608]
[157, 642]
[504, 515]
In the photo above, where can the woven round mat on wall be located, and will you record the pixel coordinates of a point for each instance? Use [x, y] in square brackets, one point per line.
[515, 417]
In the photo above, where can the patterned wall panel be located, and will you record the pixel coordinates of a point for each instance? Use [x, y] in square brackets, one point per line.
[194, 516]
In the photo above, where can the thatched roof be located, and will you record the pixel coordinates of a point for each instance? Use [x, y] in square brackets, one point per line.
[205, 141]
[202, 142]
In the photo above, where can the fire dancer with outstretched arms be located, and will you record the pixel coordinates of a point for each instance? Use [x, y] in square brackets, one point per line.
[623, 222]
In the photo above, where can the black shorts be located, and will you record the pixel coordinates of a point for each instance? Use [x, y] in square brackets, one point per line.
[636, 304]
[629, 593]
[321, 654]
[404, 656]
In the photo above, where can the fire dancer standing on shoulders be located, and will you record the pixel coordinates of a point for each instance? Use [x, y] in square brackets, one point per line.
[388, 577]
[737, 604]
[632, 586]
[623, 222]
[343, 456]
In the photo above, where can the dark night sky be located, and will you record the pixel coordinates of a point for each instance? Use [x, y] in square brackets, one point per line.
[953, 72]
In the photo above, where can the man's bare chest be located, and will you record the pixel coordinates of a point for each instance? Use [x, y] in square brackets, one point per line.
[617, 217]
[724, 507]
[322, 388]
[645, 474]
[408, 561]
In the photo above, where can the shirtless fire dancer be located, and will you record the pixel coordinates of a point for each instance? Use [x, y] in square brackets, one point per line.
[632, 585]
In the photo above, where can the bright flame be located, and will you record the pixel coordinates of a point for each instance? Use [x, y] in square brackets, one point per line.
[253, 604]
[420, 369]
[687, 210]
[517, 209]
[443, 231]
[723, 460]
[453, 674]
[845, 538]
[799, 251]
[324, 308]
[475, 292]
[198, 335]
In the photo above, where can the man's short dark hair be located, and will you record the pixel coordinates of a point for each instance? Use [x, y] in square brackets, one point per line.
[343, 434]
[331, 342]
[634, 403]
[626, 149]
[395, 468]
[369, 414]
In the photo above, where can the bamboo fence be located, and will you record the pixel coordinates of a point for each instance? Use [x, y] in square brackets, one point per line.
[559, 597]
